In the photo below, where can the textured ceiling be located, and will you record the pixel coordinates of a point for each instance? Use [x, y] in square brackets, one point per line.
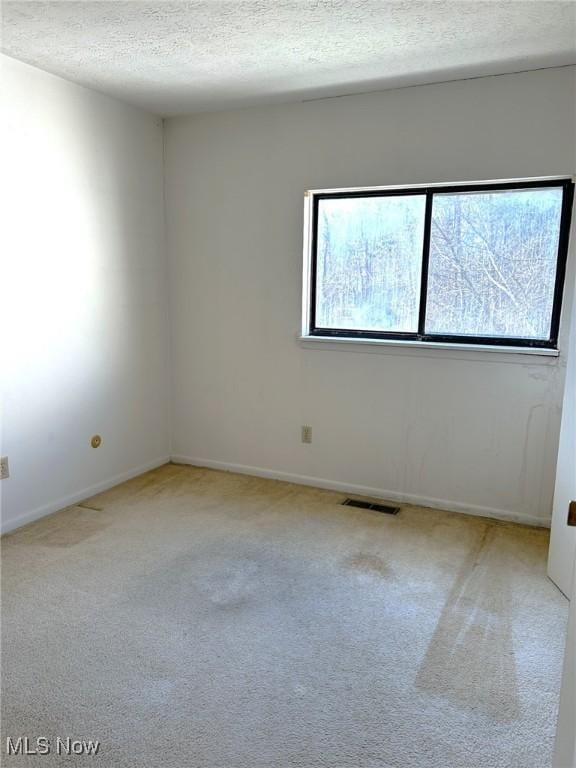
[174, 57]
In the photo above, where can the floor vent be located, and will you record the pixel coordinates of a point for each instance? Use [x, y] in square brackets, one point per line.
[370, 505]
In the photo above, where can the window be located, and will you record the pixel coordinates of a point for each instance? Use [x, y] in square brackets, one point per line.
[473, 263]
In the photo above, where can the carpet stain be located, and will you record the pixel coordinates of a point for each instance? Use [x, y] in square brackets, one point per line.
[369, 563]
[232, 587]
[207, 581]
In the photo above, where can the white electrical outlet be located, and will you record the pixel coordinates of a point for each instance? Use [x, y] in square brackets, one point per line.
[4, 469]
[306, 434]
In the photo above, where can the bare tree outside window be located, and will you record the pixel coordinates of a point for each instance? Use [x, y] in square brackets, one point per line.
[369, 262]
[492, 264]
[479, 263]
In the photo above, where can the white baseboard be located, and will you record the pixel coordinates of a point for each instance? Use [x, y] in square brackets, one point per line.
[74, 498]
[363, 490]
[273, 474]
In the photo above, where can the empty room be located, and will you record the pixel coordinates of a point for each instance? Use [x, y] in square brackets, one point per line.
[288, 415]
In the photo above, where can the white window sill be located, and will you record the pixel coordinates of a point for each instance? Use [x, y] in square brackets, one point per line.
[511, 354]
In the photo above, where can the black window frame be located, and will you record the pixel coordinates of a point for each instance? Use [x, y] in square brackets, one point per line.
[567, 185]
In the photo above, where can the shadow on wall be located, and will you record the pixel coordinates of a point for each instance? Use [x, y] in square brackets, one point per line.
[83, 289]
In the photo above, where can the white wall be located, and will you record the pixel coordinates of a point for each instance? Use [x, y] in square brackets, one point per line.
[84, 305]
[464, 430]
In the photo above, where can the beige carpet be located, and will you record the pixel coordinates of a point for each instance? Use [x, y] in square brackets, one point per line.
[198, 619]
